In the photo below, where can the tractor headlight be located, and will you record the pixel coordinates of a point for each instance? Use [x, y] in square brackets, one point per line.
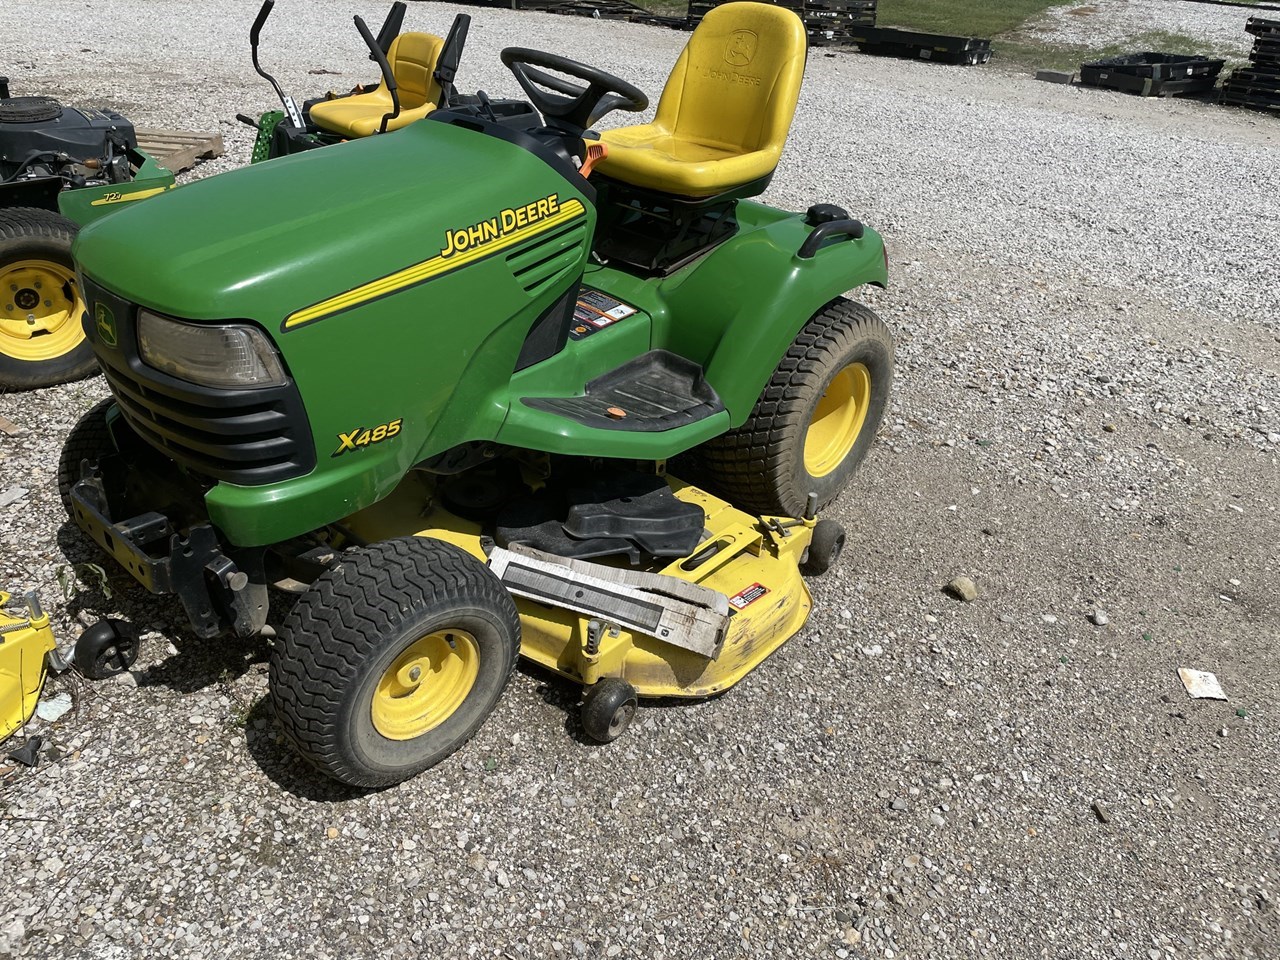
[215, 355]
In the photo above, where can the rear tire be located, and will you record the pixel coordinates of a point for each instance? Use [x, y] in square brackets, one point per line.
[815, 420]
[393, 659]
[37, 280]
[89, 439]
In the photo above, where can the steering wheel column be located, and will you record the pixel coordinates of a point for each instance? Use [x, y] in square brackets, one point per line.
[565, 106]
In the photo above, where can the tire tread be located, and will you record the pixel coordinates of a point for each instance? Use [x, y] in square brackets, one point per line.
[755, 463]
[335, 627]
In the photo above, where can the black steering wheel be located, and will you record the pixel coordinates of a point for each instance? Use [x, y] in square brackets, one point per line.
[571, 105]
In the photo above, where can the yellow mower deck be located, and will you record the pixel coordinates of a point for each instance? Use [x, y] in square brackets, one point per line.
[24, 645]
[757, 567]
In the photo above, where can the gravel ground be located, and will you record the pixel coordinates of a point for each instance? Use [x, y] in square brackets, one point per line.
[1086, 419]
[1100, 22]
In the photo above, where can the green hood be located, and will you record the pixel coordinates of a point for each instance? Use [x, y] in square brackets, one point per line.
[264, 241]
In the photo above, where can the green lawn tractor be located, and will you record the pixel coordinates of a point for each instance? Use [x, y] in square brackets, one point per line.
[417, 76]
[60, 168]
[438, 404]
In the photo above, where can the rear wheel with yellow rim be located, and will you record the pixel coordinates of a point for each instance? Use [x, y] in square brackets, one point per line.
[42, 340]
[393, 659]
[815, 420]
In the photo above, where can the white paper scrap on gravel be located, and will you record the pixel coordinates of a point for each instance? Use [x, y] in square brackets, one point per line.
[1201, 684]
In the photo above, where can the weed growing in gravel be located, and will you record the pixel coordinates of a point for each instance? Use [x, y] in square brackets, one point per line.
[77, 578]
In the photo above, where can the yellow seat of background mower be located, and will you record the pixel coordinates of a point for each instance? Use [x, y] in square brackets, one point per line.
[725, 110]
[413, 61]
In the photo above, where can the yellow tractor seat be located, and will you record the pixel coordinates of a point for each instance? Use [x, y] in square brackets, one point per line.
[725, 110]
[413, 61]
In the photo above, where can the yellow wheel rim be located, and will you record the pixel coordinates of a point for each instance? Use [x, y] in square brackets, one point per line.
[40, 310]
[425, 684]
[837, 420]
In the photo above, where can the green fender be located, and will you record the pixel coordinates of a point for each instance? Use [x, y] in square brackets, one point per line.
[755, 294]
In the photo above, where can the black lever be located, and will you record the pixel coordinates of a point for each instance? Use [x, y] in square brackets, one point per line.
[450, 58]
[390, 28]
[388, 78]
[255, 33]
[256, 30]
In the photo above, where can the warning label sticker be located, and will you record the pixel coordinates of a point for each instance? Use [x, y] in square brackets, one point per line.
[747, 596]
[596, 310]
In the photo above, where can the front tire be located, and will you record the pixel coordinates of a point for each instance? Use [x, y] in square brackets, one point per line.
[42, 342]
[90, 439]
[815, 420]
[392, 660]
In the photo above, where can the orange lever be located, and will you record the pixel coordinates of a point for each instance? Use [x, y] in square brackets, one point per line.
[595, 153]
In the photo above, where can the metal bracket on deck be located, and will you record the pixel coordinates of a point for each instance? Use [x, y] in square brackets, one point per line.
[672, 610]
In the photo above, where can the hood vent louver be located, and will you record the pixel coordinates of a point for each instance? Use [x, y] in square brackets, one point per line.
[539, 264]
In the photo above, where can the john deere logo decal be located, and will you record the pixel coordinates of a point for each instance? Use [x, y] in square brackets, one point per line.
[106, 324]
[741, 48]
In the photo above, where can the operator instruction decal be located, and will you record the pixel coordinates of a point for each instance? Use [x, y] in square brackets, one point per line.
[460, 247]
[596, 310]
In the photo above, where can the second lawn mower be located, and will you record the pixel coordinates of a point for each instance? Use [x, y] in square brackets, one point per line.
[438, 403]
[417, 74]
[60, 168]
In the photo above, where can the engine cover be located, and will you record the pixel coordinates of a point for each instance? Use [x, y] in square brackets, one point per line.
[41, 124]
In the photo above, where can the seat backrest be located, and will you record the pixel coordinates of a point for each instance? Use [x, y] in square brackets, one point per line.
[413, 59]
[736, 84]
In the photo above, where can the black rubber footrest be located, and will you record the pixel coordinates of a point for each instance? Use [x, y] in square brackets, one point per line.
[608, 515]
[656, 391]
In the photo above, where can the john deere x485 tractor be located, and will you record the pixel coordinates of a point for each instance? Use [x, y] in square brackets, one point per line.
[430, 381]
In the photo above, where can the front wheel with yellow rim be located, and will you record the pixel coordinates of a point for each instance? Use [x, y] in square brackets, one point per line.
[816, 417]
[42, 339]
[393, 659]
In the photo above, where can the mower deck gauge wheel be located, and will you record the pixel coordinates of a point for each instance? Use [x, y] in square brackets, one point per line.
[108, 648]
[824, 549]
[608, 709]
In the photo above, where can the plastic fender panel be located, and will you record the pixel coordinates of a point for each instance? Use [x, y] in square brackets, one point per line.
[400, 302]
[737, 310]
[88, 204]
[742, 306]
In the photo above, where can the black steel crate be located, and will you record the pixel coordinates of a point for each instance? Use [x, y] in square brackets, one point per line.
[1260, 27]
[1154, 74]
[908, 44]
